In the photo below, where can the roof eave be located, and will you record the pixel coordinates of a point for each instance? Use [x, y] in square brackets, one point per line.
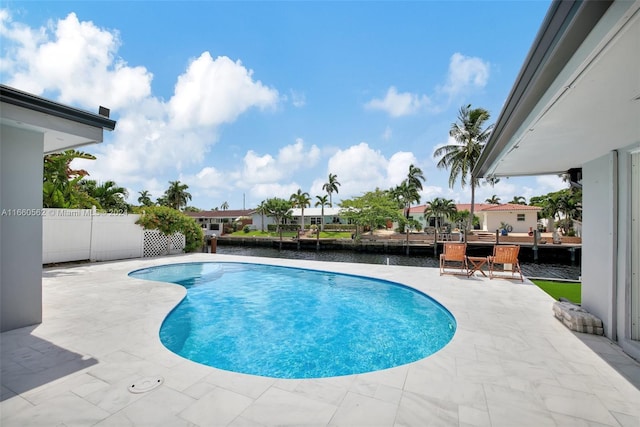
[19, 98]
[563, 30]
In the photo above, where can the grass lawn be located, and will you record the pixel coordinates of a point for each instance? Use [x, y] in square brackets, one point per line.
[568, 290]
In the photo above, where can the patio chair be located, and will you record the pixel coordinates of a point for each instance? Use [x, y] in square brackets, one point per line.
[507, 256]
[455, 253]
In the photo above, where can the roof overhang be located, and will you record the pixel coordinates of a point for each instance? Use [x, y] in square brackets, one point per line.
[63, 127]
[577, 96]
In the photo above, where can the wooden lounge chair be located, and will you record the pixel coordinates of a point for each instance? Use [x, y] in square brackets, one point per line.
[454, 253]
[507, 256]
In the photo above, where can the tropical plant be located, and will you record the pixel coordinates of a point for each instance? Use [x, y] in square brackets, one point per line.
[280, 210]
[440, 208]
[145, 198]
[461, 157]
[168, 221]
[493, 200]
[300, 200]
[60, 183]
[331, 186]
[109, 195]
[176, 195]
[372, 209]
[224, 206]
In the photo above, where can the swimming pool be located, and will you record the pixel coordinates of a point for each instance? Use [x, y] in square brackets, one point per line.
[285, 322]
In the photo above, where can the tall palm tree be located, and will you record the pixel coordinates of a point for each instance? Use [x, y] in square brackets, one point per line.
[224, 206]
[493, 200]
[145, 198]
[177, 195]
[415, 177]
[405, 194]
[322, 202]
[300, 200]
[331, 187]
[460, 158]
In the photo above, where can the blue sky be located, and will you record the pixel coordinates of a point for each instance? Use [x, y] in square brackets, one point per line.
[248, 100]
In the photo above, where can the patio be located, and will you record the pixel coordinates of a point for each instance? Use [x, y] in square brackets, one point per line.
[510, 362]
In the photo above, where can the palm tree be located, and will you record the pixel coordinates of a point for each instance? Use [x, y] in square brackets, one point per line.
[224, 206]
[300, 200]
[145, 198]
[322, 202]
[460, 158]
[518, 200]
[415, 177]
[493, 200]
[405, 194]
[331, 187]
[110, 196]
[176, 195]
[440, 208]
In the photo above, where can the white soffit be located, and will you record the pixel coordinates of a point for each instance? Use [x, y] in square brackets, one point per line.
[59, 133]
[593, 106]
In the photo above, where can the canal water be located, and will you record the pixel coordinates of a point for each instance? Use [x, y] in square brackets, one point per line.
[529, 269]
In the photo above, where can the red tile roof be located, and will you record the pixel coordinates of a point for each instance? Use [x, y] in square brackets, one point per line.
[480, 207]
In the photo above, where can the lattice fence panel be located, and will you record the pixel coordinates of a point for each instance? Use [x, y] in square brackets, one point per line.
[155, 243]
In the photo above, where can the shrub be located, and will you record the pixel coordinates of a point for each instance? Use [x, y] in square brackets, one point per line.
[169, 221]
[246, 229]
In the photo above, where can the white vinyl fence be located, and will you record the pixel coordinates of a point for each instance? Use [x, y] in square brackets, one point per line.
[84, 234]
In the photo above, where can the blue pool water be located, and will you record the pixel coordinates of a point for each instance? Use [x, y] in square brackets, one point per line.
[296, 323]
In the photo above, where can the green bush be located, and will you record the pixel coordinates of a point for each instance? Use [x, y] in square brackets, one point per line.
[246, 229]
[169, 221]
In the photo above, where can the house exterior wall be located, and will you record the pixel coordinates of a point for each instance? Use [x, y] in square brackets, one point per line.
[598, 248]
[20, 227]
[493, 219]
[608, 264]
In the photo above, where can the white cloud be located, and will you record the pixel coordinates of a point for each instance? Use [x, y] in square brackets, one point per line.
[212, 92]
[75, 59]
[465, 73]
[398, 104]
[398, 167]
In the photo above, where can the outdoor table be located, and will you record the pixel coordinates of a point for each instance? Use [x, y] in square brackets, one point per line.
[476, 263]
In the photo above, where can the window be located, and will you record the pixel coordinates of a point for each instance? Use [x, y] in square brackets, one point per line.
[316, 220]
[520, 217]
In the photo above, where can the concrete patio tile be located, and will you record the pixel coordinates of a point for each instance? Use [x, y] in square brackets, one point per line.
[115, 397]
[331, 392]
[567, 421]
[248, 385]
[156, 408]
[509, 407]
[576, 404]
[471, 416]
[419, 410]
[357, 409]
[626, 420]
[216, 408]
[280, 407]
[68, 410]
[80, 384]
[11, 406]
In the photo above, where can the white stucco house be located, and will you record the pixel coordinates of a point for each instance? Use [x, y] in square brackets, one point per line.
[312, 216]
[213, 222]
[521, 218]
[575, 107]
[31, 126]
